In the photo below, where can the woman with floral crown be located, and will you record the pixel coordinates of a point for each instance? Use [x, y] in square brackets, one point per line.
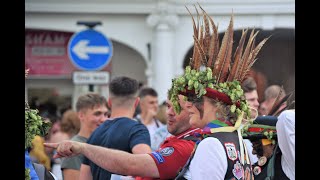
[212, 85]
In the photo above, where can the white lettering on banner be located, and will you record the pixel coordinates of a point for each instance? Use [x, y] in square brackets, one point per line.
[84, 77]
[48, 51]
[49, 39]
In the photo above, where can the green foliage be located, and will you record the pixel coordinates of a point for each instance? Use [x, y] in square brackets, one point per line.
[268, 132]
[202, 79]
[34, 125]
[27, 174]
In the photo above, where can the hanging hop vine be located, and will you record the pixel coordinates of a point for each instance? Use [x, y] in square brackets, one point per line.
[34, 125]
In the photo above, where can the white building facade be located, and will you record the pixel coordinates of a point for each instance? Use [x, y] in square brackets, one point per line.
[151, 38]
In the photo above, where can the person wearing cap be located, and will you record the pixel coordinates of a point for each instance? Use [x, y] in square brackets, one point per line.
[273, 136]
[273, 142]
[262, 133]
[212, 83]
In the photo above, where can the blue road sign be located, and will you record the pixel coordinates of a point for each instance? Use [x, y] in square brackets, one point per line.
[90, 50]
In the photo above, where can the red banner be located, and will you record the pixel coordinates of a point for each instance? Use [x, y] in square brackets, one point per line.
[46, 53]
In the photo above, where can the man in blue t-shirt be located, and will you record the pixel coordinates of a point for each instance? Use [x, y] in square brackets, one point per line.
[120, 131]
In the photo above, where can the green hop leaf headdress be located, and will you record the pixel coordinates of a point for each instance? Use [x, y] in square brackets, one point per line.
[34, 123]
[222, 76]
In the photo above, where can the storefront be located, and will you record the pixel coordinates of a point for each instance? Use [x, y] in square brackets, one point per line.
[151, 39]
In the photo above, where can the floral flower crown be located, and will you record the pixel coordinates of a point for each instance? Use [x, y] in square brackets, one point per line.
[212, 71]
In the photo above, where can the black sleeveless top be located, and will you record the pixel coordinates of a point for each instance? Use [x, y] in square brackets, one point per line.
[235, 170]
[271, 170]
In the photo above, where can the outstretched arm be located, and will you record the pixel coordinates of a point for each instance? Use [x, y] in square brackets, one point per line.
[85, 173]
[116, 161]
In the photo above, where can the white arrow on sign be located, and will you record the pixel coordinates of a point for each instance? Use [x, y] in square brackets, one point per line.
[81, 49]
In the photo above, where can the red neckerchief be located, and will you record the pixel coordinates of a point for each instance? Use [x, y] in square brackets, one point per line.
[184, 134]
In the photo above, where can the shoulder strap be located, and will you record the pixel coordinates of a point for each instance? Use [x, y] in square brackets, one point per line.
[137, 119]
[271, 164]
[42, 172]
[39, 170]
[186, 166]
[191, 138]
[157, 123]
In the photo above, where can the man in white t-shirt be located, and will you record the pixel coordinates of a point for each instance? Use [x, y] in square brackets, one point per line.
[149, 108]
[273, 141]
[286, 140]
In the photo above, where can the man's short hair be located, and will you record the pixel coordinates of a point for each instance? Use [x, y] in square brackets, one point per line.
[273, 91]
[249, 85]
[90, 100]
[148, 91]
[123, 86]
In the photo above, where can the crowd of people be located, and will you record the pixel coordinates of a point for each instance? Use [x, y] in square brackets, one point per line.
[211, 126]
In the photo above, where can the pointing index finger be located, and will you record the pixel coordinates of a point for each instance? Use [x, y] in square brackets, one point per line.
[51, 145]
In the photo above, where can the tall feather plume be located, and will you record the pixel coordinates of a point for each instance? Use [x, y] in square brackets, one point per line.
[207, 35]
[248, 59]
[242, 60]
[245, 56]
[203, 59]
[237, 56]
[209, 53]
[200, 53]
[278, 96]
[195, 30]
[198, 16]
[252, 58]
[195, 33]
[222, 63]
[275, 110]
[214, 44]
[291, 101]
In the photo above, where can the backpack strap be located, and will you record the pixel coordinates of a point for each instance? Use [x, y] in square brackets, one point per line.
[271, 165]
[186, 166]
[42, 172]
